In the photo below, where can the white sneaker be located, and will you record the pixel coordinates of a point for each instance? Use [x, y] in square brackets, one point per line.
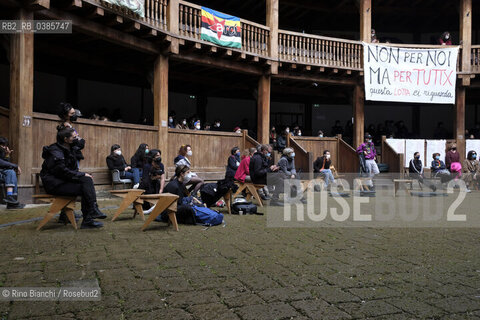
[136, 186]
[468, 190]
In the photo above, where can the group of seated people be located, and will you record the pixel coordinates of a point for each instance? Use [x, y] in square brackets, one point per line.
[449, 170]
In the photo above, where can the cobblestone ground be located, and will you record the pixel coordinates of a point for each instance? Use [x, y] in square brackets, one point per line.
[243, 271]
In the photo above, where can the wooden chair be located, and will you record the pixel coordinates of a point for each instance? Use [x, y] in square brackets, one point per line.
[162, 202]
[57, 204]
[129, 196]
[397, 182]
[228, 200]
[251, 190]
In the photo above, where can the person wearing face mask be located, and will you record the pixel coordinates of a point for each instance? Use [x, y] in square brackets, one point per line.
[237, 130]
[171, 122]
[439, 169]
[415, 170]
[182, 124]
[259, 166]
[216, 125]
[68, 115]
[233, 163]
[320, 134]
[153, 180]
[139, 159]
[182, 160]
[471, 169]
[185, 213]
[60, 176]
[444, 39]
[367, 149]
[8, 173]
[116, 161]
[452, 162]
[197, 125]
[321, 168]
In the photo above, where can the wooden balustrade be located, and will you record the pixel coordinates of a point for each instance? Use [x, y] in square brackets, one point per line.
[475, 59]
[156, 13]
[394, 160]
[318, 50]
[190, 20]
[348, 162]
[303, 158]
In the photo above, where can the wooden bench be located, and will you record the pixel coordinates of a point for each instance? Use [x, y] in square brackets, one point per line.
[251, 189]
[130, 196]
[397, 182]
[162, 202]
[57, 204]
[362, 183]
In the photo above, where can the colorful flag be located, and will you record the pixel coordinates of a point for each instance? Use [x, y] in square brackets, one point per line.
[221, 29]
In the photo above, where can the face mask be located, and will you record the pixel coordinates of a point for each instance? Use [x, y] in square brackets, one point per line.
[73, 118]
[184, 122]
[237, 153]
[118, 152]
[238, 131]
[292, 155]
[327, 156]
[299, 134]
[453, 149]
[268, 154]
[170, 120]
[320, 135]
[447, 37]
[217, 124]
[187, 177]
[417, 157]
[189, 153]
[197, 127]
[287, 130]
[474, 156]
[437, 157]
[369, 140]
[147, 151]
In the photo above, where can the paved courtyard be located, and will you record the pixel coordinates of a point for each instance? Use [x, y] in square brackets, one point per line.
[243, 270]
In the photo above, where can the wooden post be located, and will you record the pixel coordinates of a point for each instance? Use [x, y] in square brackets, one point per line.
[366, 20]
[272, 23]
[466, 37]
[160, 103]
[459, 125]
[21, 100]
[172, 21]
[358, 115]
[263, 109]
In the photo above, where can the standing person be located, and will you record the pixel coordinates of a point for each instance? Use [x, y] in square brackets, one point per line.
[8, 172]
[452, 161]
[321, 167]
[68, 115]
[171, 121]
[116, 161]
[415, 170]
[273, 136]
[282, 141]
[233, 163]
[367, 149]
[182, 160]
[60, 176]
[182, 124]
[243, 171]
[216, 125]
[444, 39]
[139, 159]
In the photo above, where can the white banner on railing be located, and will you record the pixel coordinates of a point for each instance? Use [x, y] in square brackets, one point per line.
[410, 75]
[412, 146]
[472, 144]
[434, 146]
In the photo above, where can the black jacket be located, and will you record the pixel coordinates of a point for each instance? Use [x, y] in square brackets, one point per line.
[232, 166]
[137, 162]
[317, 165]
[415, 166]
[259, 167]
[116, 162]
[59, 166]
[151, 186]
[281, 142]
[7, 165]
[77, 147]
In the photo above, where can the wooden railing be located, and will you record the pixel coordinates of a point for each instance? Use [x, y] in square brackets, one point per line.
[394, 160]
[254, 36]
[318, 50]
[156, 13]
[303, 158]
[475, 59]
[348, 162]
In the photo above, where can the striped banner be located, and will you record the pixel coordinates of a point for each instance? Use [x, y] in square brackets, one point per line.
[221, 29]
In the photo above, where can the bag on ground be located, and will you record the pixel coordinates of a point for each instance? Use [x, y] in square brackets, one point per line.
[207, 216]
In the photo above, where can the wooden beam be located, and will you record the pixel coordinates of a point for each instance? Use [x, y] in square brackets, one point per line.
[313, 78]
[459, 124]
[102, 32]
[74, 4]
[366, 20]
[114, 20]
[38, 4]
[263, 109]
[172, 16]
[95, 13]
[218, 63]
[272, 7]
[466, 37]
[21, 98]
[160, 102]
[358, 115]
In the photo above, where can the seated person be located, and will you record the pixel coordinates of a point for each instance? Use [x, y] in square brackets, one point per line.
[415, 170]
[452, 161]
[259, 166]
[439, 169]
[233, 163]
[60, 176]
[185, 213]
[139, 159]
[321, 167]
[116, 161]
[8, 173]
[182, 160]
[243, 171]
[153, 181]
[471, 168]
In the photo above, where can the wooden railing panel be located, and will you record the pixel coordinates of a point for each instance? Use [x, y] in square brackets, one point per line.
[99, 137]
[348, 162]
[316, 146]
[156, 13]
[394, 160]
[475, 59]
[303, 158]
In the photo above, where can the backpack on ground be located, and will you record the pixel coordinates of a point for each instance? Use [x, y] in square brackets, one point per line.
[244, 207]
[207, 216]
[208, 193]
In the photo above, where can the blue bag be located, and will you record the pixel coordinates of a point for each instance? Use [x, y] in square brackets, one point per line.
[207, 216]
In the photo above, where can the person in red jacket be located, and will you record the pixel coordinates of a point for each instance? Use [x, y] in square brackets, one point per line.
[243, 171]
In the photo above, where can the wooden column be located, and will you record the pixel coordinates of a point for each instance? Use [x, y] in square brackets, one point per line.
[160, 104]
[358, 115]
[272, 23]
[172, 21]
[459, 124]
[21, 100]
[263, 109]
[466, 37]
[366, 20]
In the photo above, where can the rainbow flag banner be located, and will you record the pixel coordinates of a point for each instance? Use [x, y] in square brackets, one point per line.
[221, 29]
